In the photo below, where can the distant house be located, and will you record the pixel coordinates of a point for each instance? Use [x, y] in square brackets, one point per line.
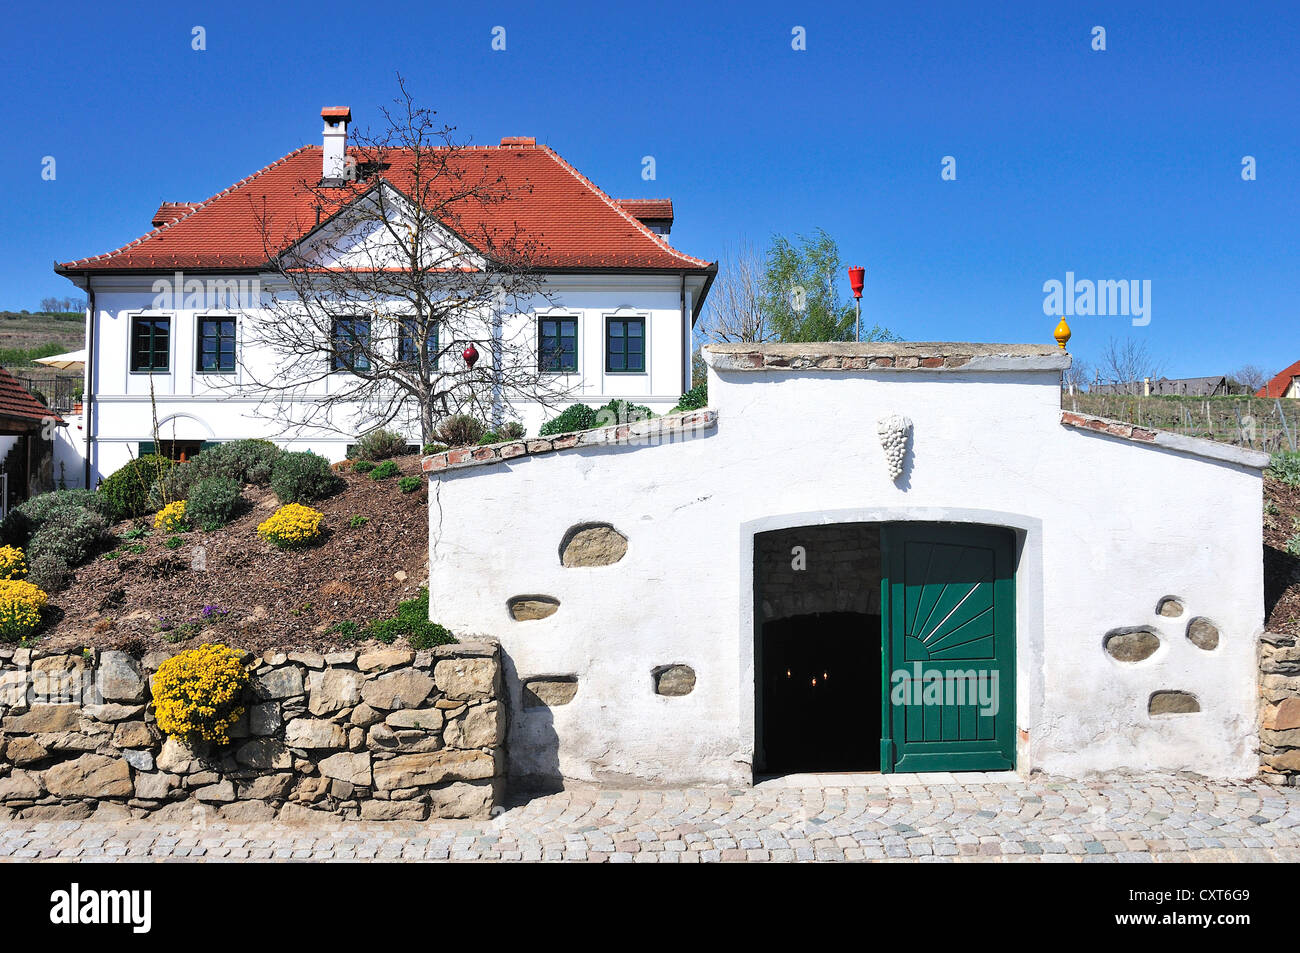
[27, 429]
[1285, 384]
[1219, 386]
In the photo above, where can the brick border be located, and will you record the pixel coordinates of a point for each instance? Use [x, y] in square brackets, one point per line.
[1197, 446]
[885, 356]
[647, 431]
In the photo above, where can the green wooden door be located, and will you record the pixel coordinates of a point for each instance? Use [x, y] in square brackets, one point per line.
[948, 631]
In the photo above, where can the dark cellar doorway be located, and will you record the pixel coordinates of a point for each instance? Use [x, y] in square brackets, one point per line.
[821, 693]
[817, 649]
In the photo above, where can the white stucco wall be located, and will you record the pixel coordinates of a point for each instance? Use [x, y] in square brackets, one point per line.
[196, 406]
[1106, 526]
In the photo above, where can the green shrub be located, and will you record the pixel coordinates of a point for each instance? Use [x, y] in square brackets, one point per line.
[574, 417]
[512, 430]
[412, 621]
[130, 492]
[23, 520]
[50, 572]
[385, 470]
[213, 502]
[68, 538]
[363, 466]
[435, 448]
[697, 398]
[489, 438]
[358, 521]
[460, 430]
[621, 412]
[409, 484]
[244, 461]
[347, 631]
[1286, 467]
[303, 476]
[379, 445]
[174, 542]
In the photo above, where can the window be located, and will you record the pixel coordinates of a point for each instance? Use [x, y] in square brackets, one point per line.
[351, 339]
[407, 345]
[625, 345]
[150, 344]
[216, 345]
[557, 345]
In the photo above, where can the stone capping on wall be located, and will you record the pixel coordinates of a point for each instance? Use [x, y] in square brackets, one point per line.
[646, 432]
[1197, 446]
[886, 356]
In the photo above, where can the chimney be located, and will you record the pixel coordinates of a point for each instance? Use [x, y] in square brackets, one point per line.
[333, 166]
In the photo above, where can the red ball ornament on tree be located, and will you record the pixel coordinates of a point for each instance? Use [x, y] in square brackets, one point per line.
[470, 354]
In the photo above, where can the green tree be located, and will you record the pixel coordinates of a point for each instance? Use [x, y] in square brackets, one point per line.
[801, 292]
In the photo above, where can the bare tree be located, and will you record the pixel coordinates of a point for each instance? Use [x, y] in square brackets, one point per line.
[401, 270]
[1128, 362]
[737, 310]
[1077, 376]
[1251, 376]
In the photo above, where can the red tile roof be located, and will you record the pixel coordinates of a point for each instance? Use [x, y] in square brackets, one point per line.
[169, 212]
[648, 210]
[1277, 387]
[16, 403]
[574, 224]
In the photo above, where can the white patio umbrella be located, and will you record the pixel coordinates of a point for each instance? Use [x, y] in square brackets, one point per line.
[71, 361]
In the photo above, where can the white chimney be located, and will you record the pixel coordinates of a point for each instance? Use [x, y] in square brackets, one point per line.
[333, 166]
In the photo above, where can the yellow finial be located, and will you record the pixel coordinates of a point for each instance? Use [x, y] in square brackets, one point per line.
[1062, 334]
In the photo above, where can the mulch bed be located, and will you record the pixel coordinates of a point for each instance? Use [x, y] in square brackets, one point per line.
[1281, 569]
[262, 597]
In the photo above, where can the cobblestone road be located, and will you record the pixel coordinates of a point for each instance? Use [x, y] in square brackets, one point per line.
[961, 818]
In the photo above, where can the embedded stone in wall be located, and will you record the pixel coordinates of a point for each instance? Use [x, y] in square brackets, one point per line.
[1131, 644]
[1172, 703]
[1203, 633]
[592, 544]
[550, 691]
[674, 680]
[1170, 606]
[528, 608]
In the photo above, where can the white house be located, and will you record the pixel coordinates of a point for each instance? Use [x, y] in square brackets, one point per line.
[861, 557]
[176, 317]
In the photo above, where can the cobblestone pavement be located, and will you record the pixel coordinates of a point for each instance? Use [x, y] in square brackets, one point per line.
[963, 817]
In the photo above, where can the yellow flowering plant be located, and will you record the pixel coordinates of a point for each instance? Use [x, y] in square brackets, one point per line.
[20, 609]
[196, 694]
[12, 563]
[291, 526]
[171, 518]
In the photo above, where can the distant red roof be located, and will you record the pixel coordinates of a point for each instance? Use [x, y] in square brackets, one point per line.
[1277, 387]
[574, 224]
[18, 407]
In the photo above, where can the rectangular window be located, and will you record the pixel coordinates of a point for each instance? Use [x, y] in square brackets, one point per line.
[557, 344]
[351, 340]
[625, 345]
[150, 343]
[408, 346]
[216, 345]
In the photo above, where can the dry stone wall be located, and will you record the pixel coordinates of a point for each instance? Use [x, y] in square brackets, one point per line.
[1279, 730]
[380, 734]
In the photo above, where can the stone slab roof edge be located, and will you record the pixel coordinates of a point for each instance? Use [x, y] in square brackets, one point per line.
[649, 432]
[1197, 446]
[885, 356]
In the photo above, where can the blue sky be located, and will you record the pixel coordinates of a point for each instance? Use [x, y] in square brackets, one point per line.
[1117, 164]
